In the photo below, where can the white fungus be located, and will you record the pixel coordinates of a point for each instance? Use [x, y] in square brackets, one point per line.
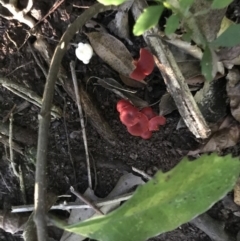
[84, 52]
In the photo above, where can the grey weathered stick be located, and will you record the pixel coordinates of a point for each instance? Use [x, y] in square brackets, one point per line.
[44, 117]
[173, 78]
[79, 105]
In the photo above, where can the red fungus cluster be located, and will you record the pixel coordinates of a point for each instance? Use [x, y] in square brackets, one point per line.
[139, 123]
[144, 65]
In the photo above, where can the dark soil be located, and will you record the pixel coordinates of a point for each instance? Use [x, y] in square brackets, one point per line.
[162, 152]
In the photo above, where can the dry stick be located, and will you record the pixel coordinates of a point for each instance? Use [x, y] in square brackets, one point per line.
[44, 117]
[28, 95]
[174, 79]
[82, 198]
[69, 206]
[77, 94]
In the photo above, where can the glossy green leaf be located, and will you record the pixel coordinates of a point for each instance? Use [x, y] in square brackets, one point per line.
[111, 2]
[172, 24]
[148, 19]
[218, 4]
[229, 38]
[165, 202]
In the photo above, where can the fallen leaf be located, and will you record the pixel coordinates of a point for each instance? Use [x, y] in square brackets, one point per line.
[112, 51]
[95, 25]
[131, 82]
[114, 86]
[210, 22]
[166, 105]
[120, 25]
[223, 138]
[233, 92]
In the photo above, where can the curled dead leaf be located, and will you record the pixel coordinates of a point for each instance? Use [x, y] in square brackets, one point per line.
[221, 139]
[233, 92]
[112, 51]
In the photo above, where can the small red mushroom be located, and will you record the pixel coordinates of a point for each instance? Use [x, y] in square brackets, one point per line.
[146, 135]
[129, 115]
[148, 111]
[140, 127]
[155, 122]
[144, 65]
[122, 104]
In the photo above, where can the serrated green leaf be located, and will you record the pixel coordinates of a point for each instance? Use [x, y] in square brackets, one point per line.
[229, 38]
[167, 201]
[148, 19]
[172, 24]
[218, 4]
[111, 2]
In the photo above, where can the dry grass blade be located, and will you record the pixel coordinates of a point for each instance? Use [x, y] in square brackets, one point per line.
[74, 78]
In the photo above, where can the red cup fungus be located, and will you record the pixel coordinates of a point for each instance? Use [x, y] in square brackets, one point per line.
[155, 122]
[148, 111]
[139, 123]
[144, 65]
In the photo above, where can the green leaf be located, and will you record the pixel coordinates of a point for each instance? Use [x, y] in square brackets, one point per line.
[148, 19]
[218, 4]
[165, 202]
[185, 4]
[111, 2]
[229, 38]
[172, 24]
[209, 63]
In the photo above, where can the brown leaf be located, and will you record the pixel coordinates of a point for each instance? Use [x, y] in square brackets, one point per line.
[223, 138]
[131, 82]
[233, 92]
[113, 52]
[167, 104]
[12, 222]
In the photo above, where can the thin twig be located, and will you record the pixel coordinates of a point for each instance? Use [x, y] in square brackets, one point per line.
[11, 147]
[8, 114]
[82, 198]
[64, 206]
[5, 141]
[22, 185]
[44, 117]
[142, 173]
[28, 95]
[78, 101]
[68, 143]
[19, 67]
[37, 60]
[53, 8]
